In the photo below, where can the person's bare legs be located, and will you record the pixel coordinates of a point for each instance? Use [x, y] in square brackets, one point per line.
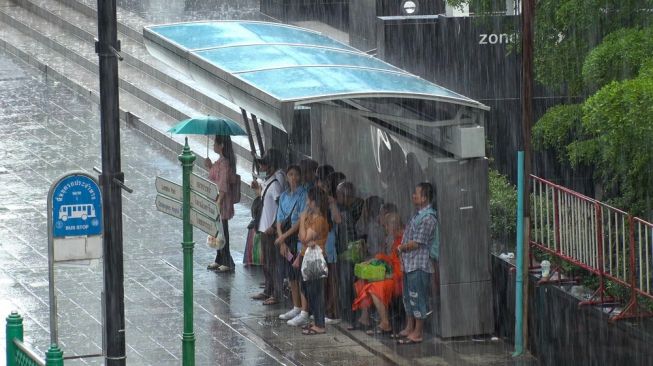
[303, 301]
[294, 292]
[410, 326]
[364, 319]
[416, 334]
[384, 324]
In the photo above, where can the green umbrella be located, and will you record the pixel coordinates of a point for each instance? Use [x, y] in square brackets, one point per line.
[209, 126]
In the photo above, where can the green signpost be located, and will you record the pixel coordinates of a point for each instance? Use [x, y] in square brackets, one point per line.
[200, 212]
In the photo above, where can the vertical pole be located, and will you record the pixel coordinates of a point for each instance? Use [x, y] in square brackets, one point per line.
[527, 122]
[107, 49]
[259, 138]
[250, 138]
[599, 247]
[631, 262]
[188, 339]
[54, 356]
[14, 331]
[519, 338]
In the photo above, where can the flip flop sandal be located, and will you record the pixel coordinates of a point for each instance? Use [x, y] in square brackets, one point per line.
[358, 326]
[271, 301]
[378, 331]
[222, 269]
[397, 336]
[311, 331]
[407, 341]
[260, 296]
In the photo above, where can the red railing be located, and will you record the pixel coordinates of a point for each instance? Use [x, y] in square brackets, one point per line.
[601, 239]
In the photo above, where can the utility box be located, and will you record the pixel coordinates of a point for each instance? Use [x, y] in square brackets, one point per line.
[465, 141]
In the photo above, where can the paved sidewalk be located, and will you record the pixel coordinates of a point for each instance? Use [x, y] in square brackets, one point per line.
[46, 131]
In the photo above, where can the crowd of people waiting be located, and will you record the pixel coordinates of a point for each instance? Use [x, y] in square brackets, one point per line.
[301, 207]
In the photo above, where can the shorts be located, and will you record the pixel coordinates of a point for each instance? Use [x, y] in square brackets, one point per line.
[416, 293]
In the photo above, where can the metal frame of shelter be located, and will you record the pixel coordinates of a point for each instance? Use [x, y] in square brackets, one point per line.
[270, 69]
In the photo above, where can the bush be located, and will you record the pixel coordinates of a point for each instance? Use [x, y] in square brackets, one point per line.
[503, 208]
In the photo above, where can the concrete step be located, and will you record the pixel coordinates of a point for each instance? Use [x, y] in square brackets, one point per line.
[174, 96]
[138, 115]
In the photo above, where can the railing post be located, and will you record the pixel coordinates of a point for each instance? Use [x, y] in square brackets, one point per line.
[632, 309]
[14, 331]
[599, 244]
[54, 356]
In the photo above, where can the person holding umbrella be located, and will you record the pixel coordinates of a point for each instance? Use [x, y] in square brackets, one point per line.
[221, 173]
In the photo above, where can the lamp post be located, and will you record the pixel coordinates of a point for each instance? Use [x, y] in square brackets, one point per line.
[111, 180]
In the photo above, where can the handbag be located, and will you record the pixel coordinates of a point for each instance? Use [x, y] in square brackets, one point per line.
[286, 225]
[370, 272]
[234, 189]
[355, 251]
[257, 205]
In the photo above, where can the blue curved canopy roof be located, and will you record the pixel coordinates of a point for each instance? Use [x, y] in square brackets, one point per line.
[278, 64]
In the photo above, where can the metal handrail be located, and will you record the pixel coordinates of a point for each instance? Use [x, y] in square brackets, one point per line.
[28, 352]
[597, 237]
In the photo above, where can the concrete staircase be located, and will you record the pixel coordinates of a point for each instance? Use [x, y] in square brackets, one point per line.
[58, 37]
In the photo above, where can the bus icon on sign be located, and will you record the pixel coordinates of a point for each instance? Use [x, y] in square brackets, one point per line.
[76, 212]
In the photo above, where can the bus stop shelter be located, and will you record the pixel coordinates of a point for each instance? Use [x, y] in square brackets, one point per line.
[385, 128]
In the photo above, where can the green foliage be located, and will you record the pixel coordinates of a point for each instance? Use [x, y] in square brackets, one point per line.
[620, 56]
[503, 207]
[618, 123]
[559, 127]
[566, 31]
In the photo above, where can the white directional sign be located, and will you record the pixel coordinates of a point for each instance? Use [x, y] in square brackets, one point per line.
[204, 205]
[168, 188]
[169, 206]
[203, 186]
[204, 223]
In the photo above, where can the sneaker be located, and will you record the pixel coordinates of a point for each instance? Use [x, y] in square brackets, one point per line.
[299, 320]
[331, 321]
[290, 314]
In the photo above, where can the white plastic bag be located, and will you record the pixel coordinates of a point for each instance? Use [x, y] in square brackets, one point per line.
[314, 266]
[214, 242]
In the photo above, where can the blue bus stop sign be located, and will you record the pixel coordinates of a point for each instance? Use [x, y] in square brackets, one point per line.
[76, 207]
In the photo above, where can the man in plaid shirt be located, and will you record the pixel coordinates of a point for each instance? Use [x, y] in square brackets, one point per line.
[416, 263]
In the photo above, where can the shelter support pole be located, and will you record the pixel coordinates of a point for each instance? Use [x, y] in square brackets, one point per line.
[259, 137]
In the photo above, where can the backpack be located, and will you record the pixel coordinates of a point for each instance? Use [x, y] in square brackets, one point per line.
[257, 206]
[234, 188]
[434, 249]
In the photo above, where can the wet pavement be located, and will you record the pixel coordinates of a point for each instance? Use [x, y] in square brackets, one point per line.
[48, 130]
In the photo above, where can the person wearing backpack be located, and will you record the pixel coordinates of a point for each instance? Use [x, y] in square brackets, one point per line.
[420, 236]
[270, 191]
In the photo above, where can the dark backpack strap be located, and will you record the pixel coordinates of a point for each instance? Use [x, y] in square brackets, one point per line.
[267, 187]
